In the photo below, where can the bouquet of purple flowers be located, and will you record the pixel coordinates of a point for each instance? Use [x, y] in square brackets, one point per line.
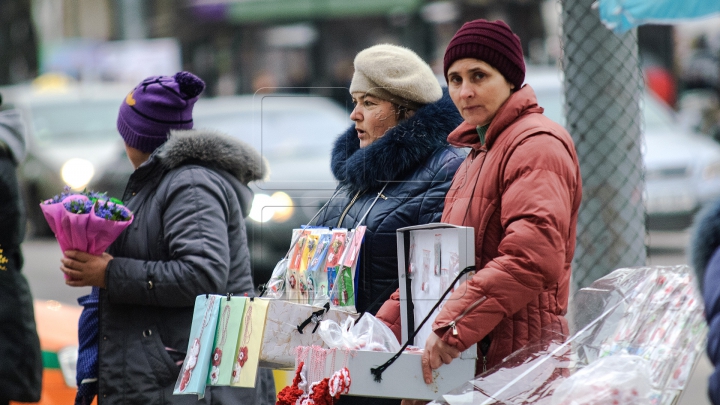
[86, 221]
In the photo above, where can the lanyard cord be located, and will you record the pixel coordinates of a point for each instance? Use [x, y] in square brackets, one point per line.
[371, 206]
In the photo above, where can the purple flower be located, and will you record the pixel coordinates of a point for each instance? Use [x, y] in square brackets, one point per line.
[111, 211]
[79, 206]
[58, 198]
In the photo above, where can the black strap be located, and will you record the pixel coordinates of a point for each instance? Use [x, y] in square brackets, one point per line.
[380, 297]
[315, 317]
[377, 371]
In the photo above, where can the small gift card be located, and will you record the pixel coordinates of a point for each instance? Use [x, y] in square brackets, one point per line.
[226, 338]
[297, 250]
[249, 343]
[337, 247]
[318, 260]
[194, 372]
[352, 250]
[309, 250]
[345, 287]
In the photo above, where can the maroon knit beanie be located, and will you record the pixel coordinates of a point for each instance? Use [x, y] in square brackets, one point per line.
[492, 42]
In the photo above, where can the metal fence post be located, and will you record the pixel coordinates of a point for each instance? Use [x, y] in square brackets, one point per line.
[603, 88]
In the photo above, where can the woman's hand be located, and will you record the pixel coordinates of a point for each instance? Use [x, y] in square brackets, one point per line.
[83, 269]
[435, 354]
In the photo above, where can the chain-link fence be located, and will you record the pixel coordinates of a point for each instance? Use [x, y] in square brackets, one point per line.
[603, 87]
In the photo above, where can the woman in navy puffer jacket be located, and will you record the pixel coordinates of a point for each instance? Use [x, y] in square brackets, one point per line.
[398, 148]
[705, 257]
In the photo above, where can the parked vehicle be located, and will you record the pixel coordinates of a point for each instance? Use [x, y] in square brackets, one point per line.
[295, 133]
[73, 140]
[682, 168]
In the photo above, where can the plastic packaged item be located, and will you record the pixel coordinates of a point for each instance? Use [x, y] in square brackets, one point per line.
[276, 286]
[368, 334]
[650, 313]
[619, 380]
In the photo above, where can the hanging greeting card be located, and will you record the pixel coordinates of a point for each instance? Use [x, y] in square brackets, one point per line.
[337, 247]
[296, 286]
[309, 250]
[249, 343]
[318, 260]
[353, 247]
[226, 338]
[298, 249]
[194, 371]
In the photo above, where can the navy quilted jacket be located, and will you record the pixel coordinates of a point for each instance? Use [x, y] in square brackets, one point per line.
[416, 165]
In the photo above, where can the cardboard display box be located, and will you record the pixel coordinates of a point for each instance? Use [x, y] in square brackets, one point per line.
[429, 258]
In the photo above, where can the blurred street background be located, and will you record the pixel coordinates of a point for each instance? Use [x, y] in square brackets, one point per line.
[643, 107]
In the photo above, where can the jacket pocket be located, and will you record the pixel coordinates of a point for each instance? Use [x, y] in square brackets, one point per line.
[161, 364]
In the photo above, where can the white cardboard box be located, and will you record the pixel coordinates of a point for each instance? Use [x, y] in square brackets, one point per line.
[403, 379]
[455, 240]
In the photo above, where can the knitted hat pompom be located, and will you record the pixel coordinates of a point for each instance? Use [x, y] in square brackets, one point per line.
[190, 85]
[157, 105]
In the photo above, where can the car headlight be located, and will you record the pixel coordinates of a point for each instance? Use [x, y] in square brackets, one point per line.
[278, 207]
[77, 173]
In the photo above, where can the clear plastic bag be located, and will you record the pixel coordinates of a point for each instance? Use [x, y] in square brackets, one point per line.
[276, 286]
[619, 379]
[368, 334]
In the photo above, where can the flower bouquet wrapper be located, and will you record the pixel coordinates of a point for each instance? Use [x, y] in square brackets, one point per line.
[84, 232]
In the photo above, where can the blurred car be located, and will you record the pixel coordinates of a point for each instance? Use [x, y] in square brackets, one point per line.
[295, 133]
[682, 168]
[72, 140]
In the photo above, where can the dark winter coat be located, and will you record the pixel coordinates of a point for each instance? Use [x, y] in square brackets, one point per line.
[21, 364]
[416, 163]
[705, 258]
[188, 238]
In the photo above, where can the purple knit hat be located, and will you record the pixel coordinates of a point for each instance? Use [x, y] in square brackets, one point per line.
[494, 43]
[157, 105]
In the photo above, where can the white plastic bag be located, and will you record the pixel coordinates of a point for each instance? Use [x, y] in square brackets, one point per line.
[368, 334]
[618, 379]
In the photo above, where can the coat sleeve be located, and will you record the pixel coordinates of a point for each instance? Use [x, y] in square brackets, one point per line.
[540, 180]
[195, 215]
[389, 314]
[433, 200]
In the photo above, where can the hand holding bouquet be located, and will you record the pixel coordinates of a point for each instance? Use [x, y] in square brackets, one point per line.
[86, 222]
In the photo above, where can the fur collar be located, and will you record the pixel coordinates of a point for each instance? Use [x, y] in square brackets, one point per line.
[396, 154]
[213, 149]
[704, 239]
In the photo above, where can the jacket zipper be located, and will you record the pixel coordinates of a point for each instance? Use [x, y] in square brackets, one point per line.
[342, 217]
[453, 324]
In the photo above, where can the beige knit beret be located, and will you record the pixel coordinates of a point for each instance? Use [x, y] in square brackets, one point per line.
[395, 74]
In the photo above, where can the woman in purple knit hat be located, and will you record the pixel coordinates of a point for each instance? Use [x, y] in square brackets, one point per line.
[189, 196]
